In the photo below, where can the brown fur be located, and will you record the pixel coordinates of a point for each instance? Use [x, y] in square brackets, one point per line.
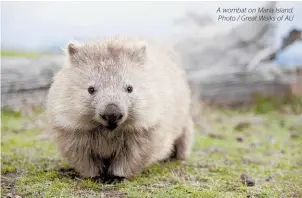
[157, 113]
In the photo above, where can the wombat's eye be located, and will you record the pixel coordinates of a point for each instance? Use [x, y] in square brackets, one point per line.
[129, 89]
[91, 90]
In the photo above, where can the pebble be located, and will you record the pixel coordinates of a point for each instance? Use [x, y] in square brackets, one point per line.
[294, 135]
[269, 178]
[239, 139]
[247, 180]
[11, 195]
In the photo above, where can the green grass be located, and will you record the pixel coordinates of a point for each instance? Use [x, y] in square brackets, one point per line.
[269, 152]
[6, 53]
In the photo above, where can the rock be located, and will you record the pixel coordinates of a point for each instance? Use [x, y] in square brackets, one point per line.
[239, 139]
[294, 135]
[234, 47]
[269, 178]
[26, 81]
[236, 76]
[247, 180]
[11, 195]
[21, 74]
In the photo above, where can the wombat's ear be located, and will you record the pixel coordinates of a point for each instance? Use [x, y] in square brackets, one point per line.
[72, 52]
[142, 50]
[72, 48]
[139, 53]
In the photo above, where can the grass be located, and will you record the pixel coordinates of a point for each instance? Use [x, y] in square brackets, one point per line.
[269, 151]
[6, 53]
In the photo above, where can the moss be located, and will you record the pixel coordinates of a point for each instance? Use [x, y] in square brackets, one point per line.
[5, 169]
[90, 184]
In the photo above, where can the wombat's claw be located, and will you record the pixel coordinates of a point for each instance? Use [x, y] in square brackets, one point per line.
[98, 179]
[70, 172]
[112, 179]
[64, 170]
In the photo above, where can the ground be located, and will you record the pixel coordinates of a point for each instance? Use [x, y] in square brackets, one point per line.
[263, 143]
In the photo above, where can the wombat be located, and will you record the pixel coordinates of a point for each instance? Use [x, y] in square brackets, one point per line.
[119, 105]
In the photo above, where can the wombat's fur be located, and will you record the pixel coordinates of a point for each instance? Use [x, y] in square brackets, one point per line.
[156, 120]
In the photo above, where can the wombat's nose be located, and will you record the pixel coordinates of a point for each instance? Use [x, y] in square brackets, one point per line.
[112, 113]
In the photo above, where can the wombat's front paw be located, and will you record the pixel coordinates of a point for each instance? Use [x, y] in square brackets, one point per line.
[98, 179]
[112, 179]
[69, 172]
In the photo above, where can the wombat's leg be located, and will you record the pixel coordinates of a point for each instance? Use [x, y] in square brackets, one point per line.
[184, 143]
[86, 164]
[131, 160]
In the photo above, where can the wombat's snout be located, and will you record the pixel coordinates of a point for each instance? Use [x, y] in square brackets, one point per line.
[112, 115]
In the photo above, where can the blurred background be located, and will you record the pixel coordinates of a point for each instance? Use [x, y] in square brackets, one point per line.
[34, 33]
[245, 76]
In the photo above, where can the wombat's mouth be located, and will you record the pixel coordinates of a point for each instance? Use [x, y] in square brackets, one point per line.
[112, 126]
[102, 127]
